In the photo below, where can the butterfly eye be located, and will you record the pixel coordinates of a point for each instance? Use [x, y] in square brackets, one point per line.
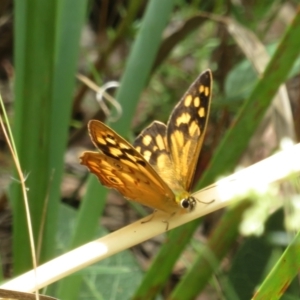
[188, 204]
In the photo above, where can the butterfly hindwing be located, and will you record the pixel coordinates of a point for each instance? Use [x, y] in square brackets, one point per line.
[152, 144]
[186, 128]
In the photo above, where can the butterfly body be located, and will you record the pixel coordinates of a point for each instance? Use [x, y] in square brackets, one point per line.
[158, 169]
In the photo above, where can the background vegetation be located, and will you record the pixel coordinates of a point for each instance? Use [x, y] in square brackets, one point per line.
[155, 49]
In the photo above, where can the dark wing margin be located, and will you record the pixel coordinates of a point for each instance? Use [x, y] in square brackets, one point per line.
[186, 128]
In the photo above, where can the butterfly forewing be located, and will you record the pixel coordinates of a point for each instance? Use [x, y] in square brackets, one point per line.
[122, 167]
[186, 128]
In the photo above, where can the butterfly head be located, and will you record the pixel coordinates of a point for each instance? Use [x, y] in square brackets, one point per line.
[188, 204]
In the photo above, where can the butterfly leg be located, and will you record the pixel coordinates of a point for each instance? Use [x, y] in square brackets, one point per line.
[167, 221]
[203, 202]
[164, 221]
[151, 217]
[167, 224]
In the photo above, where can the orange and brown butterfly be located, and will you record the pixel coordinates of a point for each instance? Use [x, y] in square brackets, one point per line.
[158, 169]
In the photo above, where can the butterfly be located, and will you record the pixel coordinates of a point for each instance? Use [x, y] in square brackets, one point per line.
[158, 169]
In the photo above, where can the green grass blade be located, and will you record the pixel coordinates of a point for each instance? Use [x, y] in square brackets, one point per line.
[281, 276]
[45, 59]
[137, 70]
[70, 18]
[33, 60]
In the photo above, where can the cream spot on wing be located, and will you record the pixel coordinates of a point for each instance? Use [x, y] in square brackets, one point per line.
[194, 129]
[155, 148]
[147, 154]
[183, 119]
[201, 112]
[131, 157]
[161, 160]
[160, 142]
[101, 141]
[165, 169]
[197, 102]
[188, 100]
[147, 140]
[138, 149]
[206, 91]
[115, 151]
[166, 143]
[111, 141]
[105, 164]
[128, 163]
[201, 88]
[123, 146]
[127, 177]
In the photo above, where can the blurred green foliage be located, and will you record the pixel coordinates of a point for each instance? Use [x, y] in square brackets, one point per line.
[156, 49]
